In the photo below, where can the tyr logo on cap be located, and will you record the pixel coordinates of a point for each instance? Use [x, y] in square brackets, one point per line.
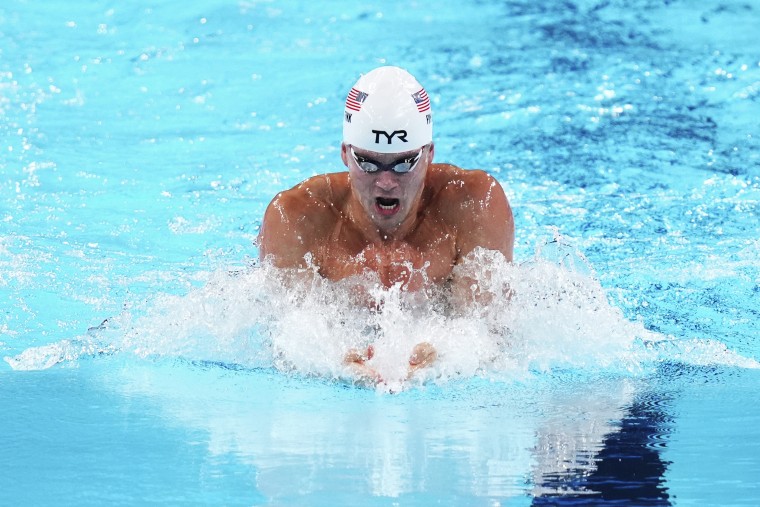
[401, 135]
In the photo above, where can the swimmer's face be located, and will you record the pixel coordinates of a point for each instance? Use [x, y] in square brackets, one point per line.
[388, 196]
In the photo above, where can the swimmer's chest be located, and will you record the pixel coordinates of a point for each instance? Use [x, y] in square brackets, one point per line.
[429, 253]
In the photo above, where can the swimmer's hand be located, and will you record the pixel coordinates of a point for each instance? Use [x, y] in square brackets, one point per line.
[423, 355]
[363, 373]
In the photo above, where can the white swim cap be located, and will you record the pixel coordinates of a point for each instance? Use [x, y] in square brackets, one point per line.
[388, 111]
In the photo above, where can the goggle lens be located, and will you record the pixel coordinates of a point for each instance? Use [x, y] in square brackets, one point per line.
[400, 167]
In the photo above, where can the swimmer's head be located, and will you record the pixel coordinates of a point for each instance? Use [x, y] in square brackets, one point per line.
[388, 111]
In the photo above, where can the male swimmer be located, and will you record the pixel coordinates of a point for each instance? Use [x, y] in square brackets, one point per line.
[394, 212]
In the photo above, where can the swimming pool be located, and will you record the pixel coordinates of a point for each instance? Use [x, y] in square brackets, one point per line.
[140, 145]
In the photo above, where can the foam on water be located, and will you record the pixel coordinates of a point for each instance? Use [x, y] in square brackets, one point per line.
[550, 314]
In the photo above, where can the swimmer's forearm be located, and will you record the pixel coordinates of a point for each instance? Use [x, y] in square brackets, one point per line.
[466, 292]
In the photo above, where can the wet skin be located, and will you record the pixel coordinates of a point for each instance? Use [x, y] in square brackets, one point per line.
[410, 229]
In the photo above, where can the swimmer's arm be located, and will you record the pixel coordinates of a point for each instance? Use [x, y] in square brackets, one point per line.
[486, 222]
[286, 237]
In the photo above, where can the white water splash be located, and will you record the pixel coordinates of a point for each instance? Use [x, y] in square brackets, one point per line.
[550, 313]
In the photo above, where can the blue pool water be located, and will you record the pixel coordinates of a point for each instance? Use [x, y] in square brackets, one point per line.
[149, 359]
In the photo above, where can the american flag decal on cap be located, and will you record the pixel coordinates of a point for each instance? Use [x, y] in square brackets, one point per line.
[355, 99]
[422, 100]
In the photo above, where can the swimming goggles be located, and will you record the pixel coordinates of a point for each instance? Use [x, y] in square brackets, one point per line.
[401, 167]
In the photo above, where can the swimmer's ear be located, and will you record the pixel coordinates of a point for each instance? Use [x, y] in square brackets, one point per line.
[344, 154]
[431, 152]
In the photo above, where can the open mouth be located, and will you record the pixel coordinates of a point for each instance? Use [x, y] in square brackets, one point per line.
[387, 206]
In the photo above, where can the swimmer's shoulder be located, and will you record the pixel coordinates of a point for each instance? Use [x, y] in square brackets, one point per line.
[297, 218]
[318, 195]
[474, 204]
[454, 187]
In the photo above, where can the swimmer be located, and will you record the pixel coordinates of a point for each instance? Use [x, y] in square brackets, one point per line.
[393, 212]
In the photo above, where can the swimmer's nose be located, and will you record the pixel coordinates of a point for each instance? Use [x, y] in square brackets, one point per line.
[386, 180]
